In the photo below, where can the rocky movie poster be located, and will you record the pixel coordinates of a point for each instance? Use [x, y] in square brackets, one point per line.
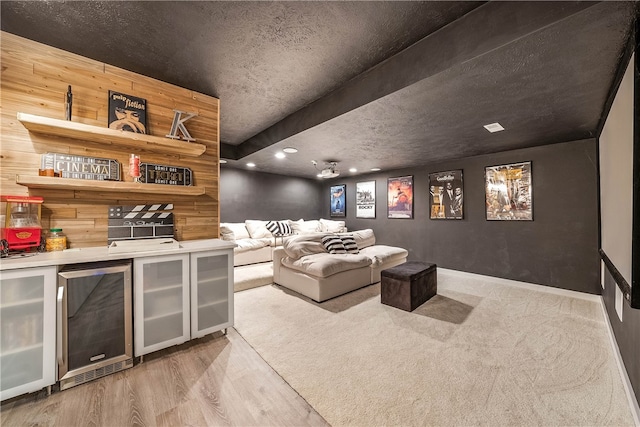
[508, 192]
[400, 197]
[366, 199]
[128, 113]
[446, 195]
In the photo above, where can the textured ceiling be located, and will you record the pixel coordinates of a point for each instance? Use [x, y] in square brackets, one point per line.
[368, 84]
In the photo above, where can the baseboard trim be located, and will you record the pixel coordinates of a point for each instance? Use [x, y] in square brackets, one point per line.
[525, 285]
[628, 389]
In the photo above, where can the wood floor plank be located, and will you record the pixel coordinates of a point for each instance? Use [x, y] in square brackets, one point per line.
[188, 413]
[94, 415]
[216, 380]
[37, 409]
[136, 414]
[151, 383]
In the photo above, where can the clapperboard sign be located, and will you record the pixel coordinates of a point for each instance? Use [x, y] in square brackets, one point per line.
[161, 174]
[82, 167]
[140, 222]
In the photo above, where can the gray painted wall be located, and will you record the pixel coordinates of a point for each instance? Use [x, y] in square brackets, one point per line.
[256, 195]
[559, 248]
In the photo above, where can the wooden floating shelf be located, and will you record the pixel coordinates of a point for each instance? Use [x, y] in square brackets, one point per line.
[47, 182]
[114, 138]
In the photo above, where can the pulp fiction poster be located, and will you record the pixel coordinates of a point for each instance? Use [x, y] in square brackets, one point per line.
[128, 113]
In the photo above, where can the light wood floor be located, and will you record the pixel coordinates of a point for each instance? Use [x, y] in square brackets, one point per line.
[213, 381]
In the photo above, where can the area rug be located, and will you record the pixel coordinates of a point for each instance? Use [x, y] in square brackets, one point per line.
[251, 276]
[478, 353]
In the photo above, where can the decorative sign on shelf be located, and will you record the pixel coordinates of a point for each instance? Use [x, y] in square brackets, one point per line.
[127, 112]
[178, 125]
[82, 167]
[161, 174]
[140, 222]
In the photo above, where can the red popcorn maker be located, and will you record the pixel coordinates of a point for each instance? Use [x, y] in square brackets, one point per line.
[20, 219]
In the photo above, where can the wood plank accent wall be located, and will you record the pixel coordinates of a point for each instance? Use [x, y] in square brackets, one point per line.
[34, 80]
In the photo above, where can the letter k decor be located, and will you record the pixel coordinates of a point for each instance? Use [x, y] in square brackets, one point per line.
[178, 124]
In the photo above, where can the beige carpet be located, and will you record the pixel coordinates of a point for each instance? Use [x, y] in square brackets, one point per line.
[251, 276]
[481, 352]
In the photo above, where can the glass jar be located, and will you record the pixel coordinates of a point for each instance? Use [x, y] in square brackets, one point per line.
[56, 240]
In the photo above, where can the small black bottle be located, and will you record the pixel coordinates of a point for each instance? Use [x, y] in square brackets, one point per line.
[67, 103]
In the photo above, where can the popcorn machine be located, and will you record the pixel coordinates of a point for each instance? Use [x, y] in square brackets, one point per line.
[20, 223]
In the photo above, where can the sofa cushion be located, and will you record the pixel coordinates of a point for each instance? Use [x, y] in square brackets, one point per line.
[333, 244]
[363, 238]
[305, 227]
[257, 229]
[349, 243]
[381, 254]
[331, 226]
[226, 233]
[233, 231]
[325, 265]
[279, 228]
[298, 246]
[245, 245]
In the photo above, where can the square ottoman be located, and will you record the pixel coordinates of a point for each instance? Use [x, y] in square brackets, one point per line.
[408, 285]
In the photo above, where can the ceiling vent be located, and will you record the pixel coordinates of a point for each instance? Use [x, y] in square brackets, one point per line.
[494, 127]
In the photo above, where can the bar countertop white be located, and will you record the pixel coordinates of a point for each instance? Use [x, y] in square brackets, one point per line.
[101, 253]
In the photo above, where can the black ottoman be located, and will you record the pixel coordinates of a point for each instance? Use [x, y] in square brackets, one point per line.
[408, 285]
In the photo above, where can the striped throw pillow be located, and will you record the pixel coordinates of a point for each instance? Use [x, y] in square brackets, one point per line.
[279, 228]
[350, 244]
[333, 244]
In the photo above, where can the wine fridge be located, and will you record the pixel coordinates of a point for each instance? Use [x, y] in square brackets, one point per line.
[94, 321]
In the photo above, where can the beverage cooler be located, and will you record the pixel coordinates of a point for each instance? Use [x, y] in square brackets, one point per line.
[94, 321]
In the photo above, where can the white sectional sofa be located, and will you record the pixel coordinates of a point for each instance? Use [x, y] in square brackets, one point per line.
[255, 243]
[304, 265]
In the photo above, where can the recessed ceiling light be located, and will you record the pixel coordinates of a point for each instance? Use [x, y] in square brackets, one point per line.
[353, 170]
[319, 175]
[290, 150]
[251, 165]
[223, 161]
[280, 155]
[375, 169]
[494, 127]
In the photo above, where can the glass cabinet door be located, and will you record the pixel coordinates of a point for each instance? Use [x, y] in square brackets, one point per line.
[27, 330]
[161, 302]
[211, 292]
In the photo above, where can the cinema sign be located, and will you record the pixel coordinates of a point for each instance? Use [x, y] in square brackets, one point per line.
[82, 167]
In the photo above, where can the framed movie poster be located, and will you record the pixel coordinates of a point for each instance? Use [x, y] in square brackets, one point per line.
[128, 113]
[508, 192]
[400, 197]
[338, 200]
[446, 195]
[366, 199]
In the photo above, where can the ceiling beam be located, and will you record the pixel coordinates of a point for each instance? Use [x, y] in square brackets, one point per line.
[486, 28]
[228, 151]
